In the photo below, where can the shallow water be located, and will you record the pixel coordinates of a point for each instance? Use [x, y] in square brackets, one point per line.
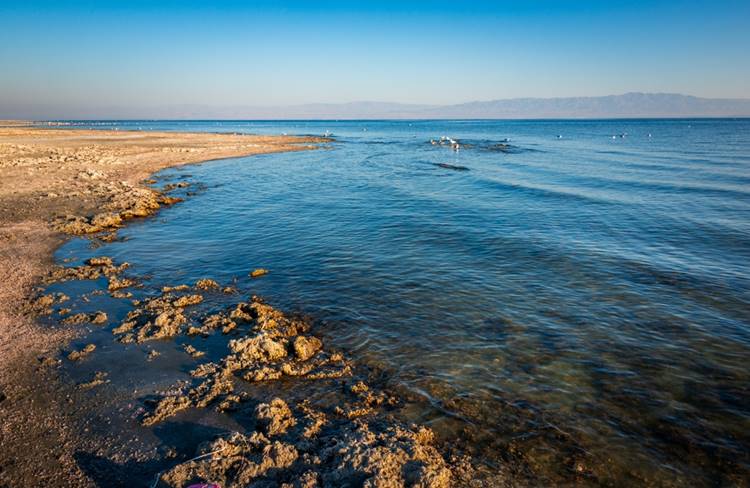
[558, 293]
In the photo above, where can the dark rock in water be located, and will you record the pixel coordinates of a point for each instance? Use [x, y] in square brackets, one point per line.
[500, 147]
[451, 166]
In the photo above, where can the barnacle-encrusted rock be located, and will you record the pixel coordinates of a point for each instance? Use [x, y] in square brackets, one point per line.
[305, 347]
[206, 284]
[274, 417]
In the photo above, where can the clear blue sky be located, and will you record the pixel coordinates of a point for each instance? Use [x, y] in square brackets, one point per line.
[143, 53]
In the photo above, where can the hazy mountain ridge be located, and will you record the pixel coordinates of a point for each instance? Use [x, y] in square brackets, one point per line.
[612, 106]
[627, 105]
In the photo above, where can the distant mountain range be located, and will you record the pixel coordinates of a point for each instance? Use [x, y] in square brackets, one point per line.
[613, 106]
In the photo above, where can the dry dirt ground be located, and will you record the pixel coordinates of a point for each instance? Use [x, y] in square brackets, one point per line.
[46, 174]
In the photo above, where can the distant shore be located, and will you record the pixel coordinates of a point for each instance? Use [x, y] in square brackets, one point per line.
[45, 175]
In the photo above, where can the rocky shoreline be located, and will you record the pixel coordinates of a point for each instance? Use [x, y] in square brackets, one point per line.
[97, 177]
[351, 438]
[351, 441]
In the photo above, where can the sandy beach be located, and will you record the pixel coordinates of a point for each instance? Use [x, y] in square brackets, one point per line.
[46, 175]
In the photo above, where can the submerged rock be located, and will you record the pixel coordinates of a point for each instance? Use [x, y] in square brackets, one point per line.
[167, 289]
[173, 186]
[451, 166]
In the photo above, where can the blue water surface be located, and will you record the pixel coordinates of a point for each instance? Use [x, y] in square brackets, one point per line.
[554, 285]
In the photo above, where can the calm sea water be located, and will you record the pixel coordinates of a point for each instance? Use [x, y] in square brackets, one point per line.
[578, 300]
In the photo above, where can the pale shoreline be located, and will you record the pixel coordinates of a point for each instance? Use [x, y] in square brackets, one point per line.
[46, 173]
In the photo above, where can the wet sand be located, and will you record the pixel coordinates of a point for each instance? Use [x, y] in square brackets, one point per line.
[54, 182]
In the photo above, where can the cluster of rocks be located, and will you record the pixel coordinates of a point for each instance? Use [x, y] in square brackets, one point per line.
[157, 318]
[275, 345]
[96, 318]
[305, 448]
[93, 269]
[43, 305]
[80, 354]
[353, 442]
[124, 202]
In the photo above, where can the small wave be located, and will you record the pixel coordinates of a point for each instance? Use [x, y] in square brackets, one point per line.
[545, 191]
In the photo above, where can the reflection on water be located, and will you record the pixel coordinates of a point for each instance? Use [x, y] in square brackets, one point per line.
[580, 305]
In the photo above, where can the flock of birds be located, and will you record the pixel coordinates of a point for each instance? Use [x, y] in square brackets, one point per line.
[445, 140]
[616, 136]
[456, 146]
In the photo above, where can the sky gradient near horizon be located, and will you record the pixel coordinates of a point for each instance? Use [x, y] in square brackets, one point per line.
[87, 53]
